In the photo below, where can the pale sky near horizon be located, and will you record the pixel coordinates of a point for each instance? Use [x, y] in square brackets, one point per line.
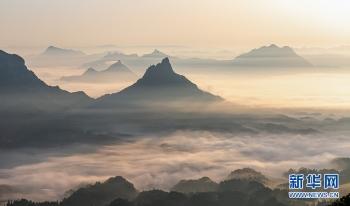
[200, 23]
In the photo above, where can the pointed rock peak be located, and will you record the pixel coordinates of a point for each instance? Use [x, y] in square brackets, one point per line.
[166, 62]
[164, 67]
[162, 74]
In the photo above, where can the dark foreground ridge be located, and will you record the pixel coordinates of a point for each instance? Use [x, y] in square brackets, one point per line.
[117, 191]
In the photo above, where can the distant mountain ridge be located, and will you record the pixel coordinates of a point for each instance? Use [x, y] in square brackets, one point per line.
[56, 51]
[159, 84]
[271, 56]
[155, 54]
[117, 72]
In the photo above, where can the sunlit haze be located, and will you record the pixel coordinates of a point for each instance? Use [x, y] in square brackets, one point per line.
[206, 23]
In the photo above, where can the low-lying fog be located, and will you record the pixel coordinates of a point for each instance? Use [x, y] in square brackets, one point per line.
[323, 87]
[161, 161]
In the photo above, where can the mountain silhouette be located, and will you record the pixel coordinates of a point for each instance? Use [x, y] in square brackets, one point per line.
[248, 174]
[271, 56]
[159, 84]
[117, 72]
[56, 51]
[100, 194]
[204, 184]
[119, 192]
[20, 88]
[156, 54]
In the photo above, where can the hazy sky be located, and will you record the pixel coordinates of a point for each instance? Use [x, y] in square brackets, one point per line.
[201, 23]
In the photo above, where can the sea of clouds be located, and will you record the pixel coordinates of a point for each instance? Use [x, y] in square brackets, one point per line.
[161, 161]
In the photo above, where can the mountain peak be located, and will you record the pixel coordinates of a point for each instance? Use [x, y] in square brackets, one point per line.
[247, 174]
[204, 184]
[53, 50]
[161, 73]
[117, 179]
[118, 67]
[156, 54]
[90, 71]
[117, 63]
[101, 194]
[159, 84]
[271, 51]
[271, 56]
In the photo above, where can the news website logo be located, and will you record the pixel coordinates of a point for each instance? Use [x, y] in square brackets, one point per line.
[316, 186]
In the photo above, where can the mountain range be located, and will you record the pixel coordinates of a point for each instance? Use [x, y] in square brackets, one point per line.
[54, 57]
[159, 84]
[266, 57]
[156, 54]
[117, 72]
[117, 191]
[162, 92]
[56, 51]
[101, 194]
[271, 56]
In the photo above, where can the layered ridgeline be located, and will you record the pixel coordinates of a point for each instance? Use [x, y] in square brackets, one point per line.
[160, 85]
[21, 89]
[271, 56]
[117, 191]
[117, 72]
